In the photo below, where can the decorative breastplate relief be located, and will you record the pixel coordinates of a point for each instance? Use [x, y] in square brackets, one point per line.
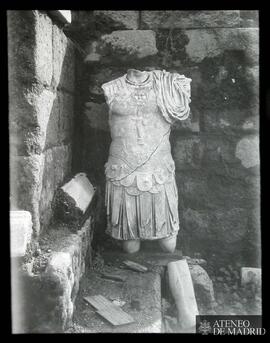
[140, 152]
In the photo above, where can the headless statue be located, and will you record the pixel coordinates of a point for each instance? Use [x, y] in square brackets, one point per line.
[141, 194]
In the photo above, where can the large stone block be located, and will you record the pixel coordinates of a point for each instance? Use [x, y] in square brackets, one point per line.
[63, 60]
[187, 152]
[66, 118]
[124, 46]
[60, 124]
[26, 183]
[203, 287]
[53, 177]
[219, 151]
[21, 43]
[249, 18]
[30, 46]
[117, 20]
[42, 105]
[30, 112]
[227, 83]
[189, 19]
[97, 115]
[228, 121]
[52, 131]
[44, 49]
[202, 191]
[222, 155]
[207, 43]
[222, 227]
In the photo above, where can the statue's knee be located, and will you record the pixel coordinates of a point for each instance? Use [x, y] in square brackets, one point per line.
[131, 246]
[168, 244]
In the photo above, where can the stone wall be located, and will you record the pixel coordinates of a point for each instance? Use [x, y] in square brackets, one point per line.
[216, 150]
[41, 111]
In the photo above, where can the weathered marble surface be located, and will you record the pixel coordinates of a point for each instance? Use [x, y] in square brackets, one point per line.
[141, 195]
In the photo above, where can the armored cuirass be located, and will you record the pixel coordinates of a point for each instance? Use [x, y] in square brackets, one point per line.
[140, 160]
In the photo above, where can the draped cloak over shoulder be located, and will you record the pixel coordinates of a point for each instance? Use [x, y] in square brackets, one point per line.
[141, 194]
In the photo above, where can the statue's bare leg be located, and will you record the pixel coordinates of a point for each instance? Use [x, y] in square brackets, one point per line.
[131, 246]
[168, 244]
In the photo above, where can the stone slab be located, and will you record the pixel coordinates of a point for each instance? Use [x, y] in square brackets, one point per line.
[20, 232]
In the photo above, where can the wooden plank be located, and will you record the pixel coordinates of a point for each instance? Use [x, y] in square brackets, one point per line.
[116, 316]
[111, 312]
[99, 302]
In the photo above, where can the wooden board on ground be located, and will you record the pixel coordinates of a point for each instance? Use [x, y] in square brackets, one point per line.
[116, 316]
[111, 312]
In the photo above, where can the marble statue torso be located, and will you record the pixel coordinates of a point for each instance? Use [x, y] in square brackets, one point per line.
[140, 152]
[140, 161]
